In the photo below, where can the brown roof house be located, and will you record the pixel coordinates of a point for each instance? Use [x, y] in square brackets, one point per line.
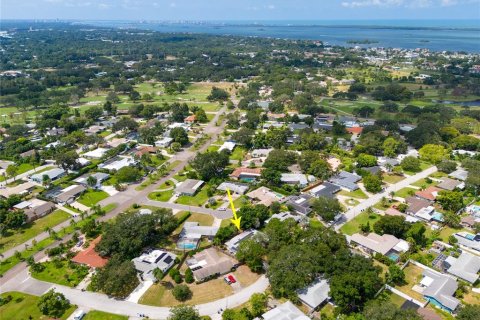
[35, 208]
[450, 184]
[90, 257]
[246, 174]
[428, 194]
[209, 263]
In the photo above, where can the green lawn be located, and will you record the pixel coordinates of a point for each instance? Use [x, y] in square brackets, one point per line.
[92, 197]
[422, 183]
[202, 219]
[32, 229]
[109, 207]
[353, 226]
[24, 307]
[392, 178]
[197, 200]
[62, 272]
[359, 194]
[405, 192]
[100, 315]
[163, 196]
[238, 153]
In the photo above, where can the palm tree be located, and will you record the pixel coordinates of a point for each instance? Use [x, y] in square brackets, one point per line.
[49, 230]
[392, 194]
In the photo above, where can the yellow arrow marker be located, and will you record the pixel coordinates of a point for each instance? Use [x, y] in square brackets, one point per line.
[235, 220]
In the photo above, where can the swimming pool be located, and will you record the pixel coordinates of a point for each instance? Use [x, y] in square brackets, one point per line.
[393, 256]
[185, 244]
[437, 216]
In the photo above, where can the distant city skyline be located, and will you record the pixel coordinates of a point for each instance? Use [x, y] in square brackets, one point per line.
[240, 10]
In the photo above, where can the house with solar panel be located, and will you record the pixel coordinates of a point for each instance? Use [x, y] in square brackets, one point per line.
[149, 261]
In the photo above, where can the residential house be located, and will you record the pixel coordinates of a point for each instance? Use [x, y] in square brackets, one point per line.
[325, 189]
[416, 204]
[265, 196]
[191, 234]
[227, 145]
[149, 261]
[355, 130]
[18, 189]
[468, 240]
[298, 126]
[429, 214]
[233, 244]
[141, 150]
[439, 289]
[429, 193]
[466, 266]
[346, 180]
[372, 170]
[260, 153]
[164, 142]
[52, 174]
[282, 216]
[450, 184]
[315, 294]
[190, 119]
[301, 203]
[69, 194]
[386, 244]
[95, 154]
[234, 187]
[27, 154]
[90, 257]
[94, 129]
[35, 208]
[285, 311]
[468, 221]
[209, 263]
[299, 179]
[386, 164]
[99, 176]
[459, 174]
[246, 174]
[55, 132]
[189, 187]
[118, 163]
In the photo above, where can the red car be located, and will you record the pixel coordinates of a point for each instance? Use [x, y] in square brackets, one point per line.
[231, 278]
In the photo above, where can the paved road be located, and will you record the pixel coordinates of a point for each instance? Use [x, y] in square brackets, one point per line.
[90, 300]
[350, 214]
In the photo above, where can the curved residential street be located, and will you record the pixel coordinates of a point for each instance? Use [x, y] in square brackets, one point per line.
[90, 300]
[364, 204]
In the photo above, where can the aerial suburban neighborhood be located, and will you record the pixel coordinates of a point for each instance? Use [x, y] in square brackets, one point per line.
[188, 176]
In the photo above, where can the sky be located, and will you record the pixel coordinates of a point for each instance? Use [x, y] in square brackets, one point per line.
[258, 10]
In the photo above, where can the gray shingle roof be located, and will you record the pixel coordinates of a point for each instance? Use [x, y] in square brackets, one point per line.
[346, 180]
[466, 267]
[442, 289]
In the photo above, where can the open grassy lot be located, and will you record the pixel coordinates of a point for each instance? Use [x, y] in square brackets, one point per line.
[163, 196]
[413, 276]
[238, 153]
[24, 307]
[62, 272]
[358, 194]
[202, 219]
[353, 226]
[100, 315]
[32, 229]
[161, 294]
[446, 232]
[405, 192]
[92, 197]
[392, 178]
[422, 183]
[197, 200]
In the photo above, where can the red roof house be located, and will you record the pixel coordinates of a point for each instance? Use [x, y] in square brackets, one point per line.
[190, 119]
[90, 257]
[355, 130]
[428, 194]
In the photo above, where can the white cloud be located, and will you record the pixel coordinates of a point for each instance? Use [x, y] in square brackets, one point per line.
[271, 6]
[372, 3]
[173, 5]
[448, 3]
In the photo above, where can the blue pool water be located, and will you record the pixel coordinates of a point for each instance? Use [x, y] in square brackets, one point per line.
[470, 236]
[393, 256]
[438, 216]
[187, 246]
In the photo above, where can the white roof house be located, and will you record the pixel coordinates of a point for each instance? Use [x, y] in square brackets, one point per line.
[466, 266]
[95, 154]
[381, 244]
[118, 163]
[285, 311]
[315, 294]
[227, 145]
[51, 174]
[233, 244]
[164, 142]
[297, 178]
[149, 261]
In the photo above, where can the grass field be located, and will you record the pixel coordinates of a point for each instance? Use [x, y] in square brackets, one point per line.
[353, 226]
[358, 194]
[202, 219]
[422, 183]
[100, 315]
[163, 196]
[92, 197]
[63, 272]
[24, 307]
[392, 178]
[413, 276]
[32, 229]
[405, 192]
